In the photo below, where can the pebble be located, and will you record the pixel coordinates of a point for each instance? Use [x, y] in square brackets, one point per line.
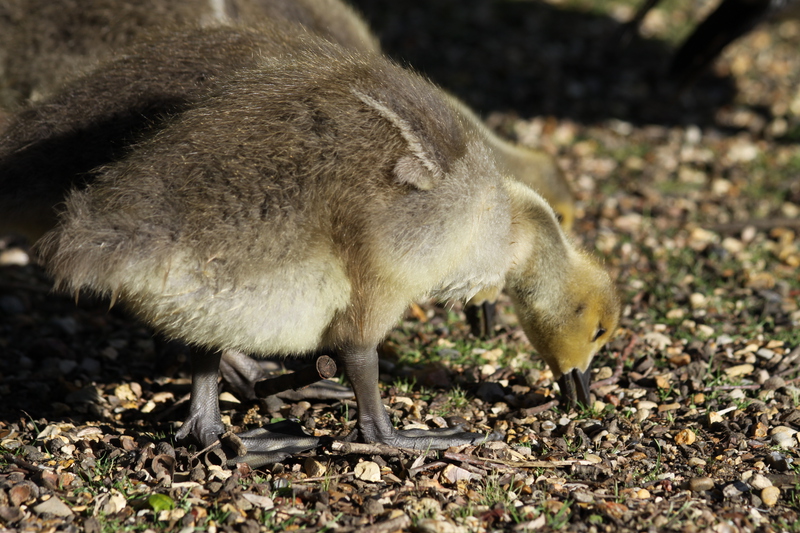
[784, 437]
[739, 370]
[685, 437]
[778, 461]
[734, 489]
[548, 425]
[53, 506]
[314, 468]
[454, 474]
[770, 495]
[368, 471]
[759, 482]
[696, 461]
[774, 383]
[263, 502]
[700, 484]
[431, 525]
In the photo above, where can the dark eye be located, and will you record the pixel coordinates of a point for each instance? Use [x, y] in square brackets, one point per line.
[599, 333]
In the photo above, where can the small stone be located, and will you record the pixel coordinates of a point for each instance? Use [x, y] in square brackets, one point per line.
[299, 409]
[548, 425]
[770, 495]
[696, 461]
[643, 494]
[682, 359]
[432, 525]
[735, 489]
[699, 398]
[783, 436]
[53, 506]
[739, 370]
[372, 507]
[368, 471]
[760, 482]
[774, 383]
[777, 461]
[314, 468]
[488, 370]
[454, 474]
[700, 484]
[698, 301]
[14, 514]
[759, 430]
[685, 437]
[21, 493]
[705, 330]
[264, 502]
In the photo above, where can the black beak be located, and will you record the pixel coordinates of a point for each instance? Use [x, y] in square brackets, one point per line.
[575, 387]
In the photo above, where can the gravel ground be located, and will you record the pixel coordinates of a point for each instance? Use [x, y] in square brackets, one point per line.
[693, 201]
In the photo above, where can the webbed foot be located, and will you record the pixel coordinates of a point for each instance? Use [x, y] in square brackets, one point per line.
[270, 444]
[432, 439]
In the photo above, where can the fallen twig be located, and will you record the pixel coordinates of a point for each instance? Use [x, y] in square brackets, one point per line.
[541, 408]
[368, 449]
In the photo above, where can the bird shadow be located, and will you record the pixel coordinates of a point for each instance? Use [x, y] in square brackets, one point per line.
[536, 59]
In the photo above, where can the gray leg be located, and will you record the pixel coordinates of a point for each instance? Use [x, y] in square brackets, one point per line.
[361, 366]
[481, 319]
[240, 372]
[204, 422]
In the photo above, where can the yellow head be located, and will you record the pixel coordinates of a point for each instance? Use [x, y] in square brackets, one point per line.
[565, 300]
[568, 316]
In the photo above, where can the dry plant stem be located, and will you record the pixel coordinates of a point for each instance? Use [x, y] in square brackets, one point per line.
[326, 478]
[623, 356]
[493, 463]
[760, 225]
[22, 463]
[368, 449]
[754, 386]
[542, 408]
[324, 368]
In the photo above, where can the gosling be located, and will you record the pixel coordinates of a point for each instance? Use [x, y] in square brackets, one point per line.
[302, 205]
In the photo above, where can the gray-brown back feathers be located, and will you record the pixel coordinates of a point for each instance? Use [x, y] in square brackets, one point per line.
[324, 171]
